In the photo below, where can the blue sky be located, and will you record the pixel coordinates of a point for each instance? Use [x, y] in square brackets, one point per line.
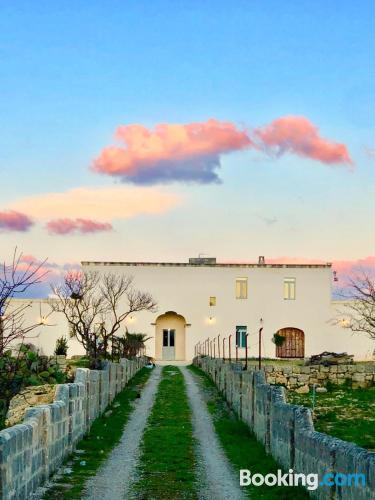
[72, 72]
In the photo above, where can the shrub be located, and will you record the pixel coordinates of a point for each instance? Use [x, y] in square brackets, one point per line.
[278, 340]
[61, 346]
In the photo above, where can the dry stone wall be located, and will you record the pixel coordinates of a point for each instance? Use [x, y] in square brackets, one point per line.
[32, 450]
[288, 433]
[358, 375]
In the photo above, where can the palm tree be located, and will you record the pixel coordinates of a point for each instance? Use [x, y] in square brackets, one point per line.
[131, 345]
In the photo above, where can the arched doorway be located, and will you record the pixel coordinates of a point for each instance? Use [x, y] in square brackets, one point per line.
[293, 345]
[170, 337]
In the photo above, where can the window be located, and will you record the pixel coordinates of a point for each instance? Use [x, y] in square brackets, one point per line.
[289, 288]
[241, 332]
[241, 288]
[212, 301]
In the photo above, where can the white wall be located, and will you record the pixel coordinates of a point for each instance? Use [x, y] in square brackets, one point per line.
[44, 337]
[186, 290]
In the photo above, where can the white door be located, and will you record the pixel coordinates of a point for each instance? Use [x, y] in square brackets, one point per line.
[169, 344]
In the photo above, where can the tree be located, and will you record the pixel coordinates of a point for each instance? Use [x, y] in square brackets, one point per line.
[96, 305]
[130, 345]
[15, 279]
[360, 296]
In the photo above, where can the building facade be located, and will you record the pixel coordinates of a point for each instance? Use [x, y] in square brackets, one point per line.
[202, 299]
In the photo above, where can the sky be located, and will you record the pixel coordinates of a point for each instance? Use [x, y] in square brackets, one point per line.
[157, 131]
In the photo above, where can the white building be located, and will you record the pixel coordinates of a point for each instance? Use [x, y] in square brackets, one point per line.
[202, 299]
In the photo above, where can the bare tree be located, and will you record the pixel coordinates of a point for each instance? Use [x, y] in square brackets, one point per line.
[15, 279]
[96, 305]
[360, 296]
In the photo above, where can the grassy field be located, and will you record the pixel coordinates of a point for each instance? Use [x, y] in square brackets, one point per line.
[241, 446]
[95, 447]
[167, 462]
[348, 414]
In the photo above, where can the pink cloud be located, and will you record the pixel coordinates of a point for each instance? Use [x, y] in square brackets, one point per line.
[73, 226]
[189, 152]
[192, 152]
[11, 220]
[296, 134]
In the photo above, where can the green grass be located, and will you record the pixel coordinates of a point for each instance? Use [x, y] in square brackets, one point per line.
[104, 434]
[241, 446]
[79, 363]
[345, 413]
[167, 463]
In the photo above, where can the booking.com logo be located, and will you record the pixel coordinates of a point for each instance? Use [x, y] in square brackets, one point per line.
[310, 481]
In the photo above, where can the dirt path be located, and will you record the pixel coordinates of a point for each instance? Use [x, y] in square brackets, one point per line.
[216, 476]
[116, 475]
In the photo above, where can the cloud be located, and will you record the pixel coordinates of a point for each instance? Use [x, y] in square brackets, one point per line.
[171, 152]
[11, 220]
[296, 134]
[49, 272]
[192, 152]
[82, 226]
[98, 204]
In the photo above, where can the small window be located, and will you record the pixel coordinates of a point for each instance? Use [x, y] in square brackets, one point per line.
[241, 332]
[212, 301]
[289, 288]
[241, 288]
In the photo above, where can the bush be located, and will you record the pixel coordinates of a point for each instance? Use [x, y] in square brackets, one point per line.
[61, 346]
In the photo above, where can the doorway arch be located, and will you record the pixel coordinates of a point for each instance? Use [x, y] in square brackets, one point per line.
[293, 345]
[170, 337]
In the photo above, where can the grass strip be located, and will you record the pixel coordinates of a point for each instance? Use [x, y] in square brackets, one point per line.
[241, 446]
[167, 461]
[95, 447]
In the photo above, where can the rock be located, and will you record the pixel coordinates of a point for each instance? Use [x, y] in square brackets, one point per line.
[303, 390]
[321, 389]
[30, 396]
[67, 470]
[83, 462]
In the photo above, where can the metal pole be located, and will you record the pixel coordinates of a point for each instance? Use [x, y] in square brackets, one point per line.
[218, 346]
[230, 349]
[214, 341]
[260, 348]
[223, 348]
[246, 349]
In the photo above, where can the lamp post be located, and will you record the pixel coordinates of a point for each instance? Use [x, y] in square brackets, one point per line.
[246, 350]
[230, 348]
[223, 348]
[218, 346]
[214, 341]
[260, 344]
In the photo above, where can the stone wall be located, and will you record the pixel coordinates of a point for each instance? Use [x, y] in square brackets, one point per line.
[287, 431]
[293, 376]
[31, 451]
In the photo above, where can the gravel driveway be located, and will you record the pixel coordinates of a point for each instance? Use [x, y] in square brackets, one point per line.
[217, 479]
[116, 475]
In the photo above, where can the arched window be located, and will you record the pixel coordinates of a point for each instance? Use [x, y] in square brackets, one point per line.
[293, 345]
